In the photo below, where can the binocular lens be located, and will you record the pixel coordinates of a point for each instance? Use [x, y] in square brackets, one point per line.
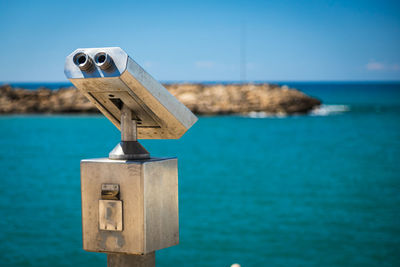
[83, 61]
[103, 61]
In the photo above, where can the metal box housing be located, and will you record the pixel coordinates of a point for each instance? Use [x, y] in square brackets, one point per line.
[149, 196]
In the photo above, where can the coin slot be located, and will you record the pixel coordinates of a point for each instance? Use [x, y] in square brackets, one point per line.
[110, 191]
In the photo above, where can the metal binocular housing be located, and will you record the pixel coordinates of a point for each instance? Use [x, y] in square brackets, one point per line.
[109, 78]
[129, 200]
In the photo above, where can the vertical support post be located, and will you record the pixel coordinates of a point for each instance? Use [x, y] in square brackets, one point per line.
[129, 148]
[128, 125]
[126, 260]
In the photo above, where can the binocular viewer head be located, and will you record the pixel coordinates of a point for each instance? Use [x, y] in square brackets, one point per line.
[110, 79]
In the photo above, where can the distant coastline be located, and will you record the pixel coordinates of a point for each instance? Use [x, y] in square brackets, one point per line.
[291, 84]
[201, 98]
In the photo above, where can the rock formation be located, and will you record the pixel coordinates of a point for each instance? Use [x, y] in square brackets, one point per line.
[200, 98]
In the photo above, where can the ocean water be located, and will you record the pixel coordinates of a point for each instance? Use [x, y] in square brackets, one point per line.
[315, 190]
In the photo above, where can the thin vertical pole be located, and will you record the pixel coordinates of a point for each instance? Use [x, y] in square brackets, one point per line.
[243, 52]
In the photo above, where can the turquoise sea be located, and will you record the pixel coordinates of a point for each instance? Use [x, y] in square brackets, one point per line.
[314, 190]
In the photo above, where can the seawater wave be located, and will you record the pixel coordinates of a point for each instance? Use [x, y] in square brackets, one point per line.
[262, 114]
[323, 110]
[326, 110]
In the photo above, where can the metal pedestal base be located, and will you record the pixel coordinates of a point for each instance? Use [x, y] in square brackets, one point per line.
[125, 260]
[128, 150]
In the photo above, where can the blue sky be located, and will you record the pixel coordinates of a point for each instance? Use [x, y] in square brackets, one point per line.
[201, 40]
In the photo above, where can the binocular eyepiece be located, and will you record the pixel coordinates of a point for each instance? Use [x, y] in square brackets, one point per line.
[86, 63]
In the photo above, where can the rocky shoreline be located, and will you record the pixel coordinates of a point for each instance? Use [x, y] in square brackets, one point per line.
[200, 98]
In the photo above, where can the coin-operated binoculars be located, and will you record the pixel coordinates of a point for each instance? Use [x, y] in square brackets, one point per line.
[129, 200]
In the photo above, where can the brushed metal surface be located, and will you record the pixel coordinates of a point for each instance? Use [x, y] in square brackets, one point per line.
[149, 193]
[122, 260]
[128, 125]
[129, 150]
[159, 114]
